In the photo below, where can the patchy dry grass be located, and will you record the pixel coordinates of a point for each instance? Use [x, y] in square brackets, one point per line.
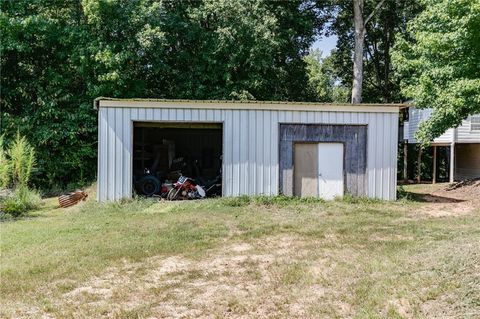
[243, 257]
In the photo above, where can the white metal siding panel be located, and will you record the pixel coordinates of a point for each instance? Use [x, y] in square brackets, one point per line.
[372, 165]
[393, 155]
[102, 155]
[128, 152]
[274, 154]
[236, 151]
[243, 156]
[465, 134]
[119, 128]
[228, 163]
[250, 146]
[261, 146]
[266, 160]
[251, 154]
[111, 162]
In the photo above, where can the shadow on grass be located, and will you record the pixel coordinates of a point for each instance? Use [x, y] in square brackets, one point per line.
[425, 198]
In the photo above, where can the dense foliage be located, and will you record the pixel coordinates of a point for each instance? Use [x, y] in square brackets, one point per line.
[322, 80]
[440, 62]
[58, 55]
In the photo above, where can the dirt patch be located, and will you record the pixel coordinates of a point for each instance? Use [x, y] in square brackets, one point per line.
[467, 190]
[401, 306]
[450, 199]
[450, 210]
[281, 276]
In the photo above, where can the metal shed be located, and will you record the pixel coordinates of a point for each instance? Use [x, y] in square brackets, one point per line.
[267, 148]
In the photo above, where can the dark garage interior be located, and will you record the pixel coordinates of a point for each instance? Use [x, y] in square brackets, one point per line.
[162, 152]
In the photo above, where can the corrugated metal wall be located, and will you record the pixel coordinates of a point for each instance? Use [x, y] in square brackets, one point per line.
[251, 146]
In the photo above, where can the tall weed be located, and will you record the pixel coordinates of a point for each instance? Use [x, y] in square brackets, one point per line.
[4, 166]
[16, 166]
[22, 161]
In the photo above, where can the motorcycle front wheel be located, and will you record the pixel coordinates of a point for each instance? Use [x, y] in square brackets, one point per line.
[173, 194]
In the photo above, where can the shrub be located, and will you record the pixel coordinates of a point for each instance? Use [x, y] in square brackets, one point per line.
[16, 167]
[21, 201]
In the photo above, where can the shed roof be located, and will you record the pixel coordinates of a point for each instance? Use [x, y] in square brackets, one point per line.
[102, 102]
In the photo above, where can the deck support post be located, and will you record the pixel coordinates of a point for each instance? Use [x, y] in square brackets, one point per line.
[405, 161]
[419, 164]
[452, 163]
[434, 174]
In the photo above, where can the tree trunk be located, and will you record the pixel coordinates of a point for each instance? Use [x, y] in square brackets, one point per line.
[358, 54]
[359, 24]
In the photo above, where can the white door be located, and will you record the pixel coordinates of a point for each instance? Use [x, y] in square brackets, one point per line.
[330, 170]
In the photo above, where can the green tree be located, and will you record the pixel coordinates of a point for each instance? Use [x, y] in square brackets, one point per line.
[439, 59]
[380, 82]
[45, 79]
[322, 82]
[58, 55]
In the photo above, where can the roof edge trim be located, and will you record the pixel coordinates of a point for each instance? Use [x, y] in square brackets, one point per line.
[246, 105]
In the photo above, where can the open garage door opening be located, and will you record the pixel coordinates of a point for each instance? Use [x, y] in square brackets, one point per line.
[177, 160]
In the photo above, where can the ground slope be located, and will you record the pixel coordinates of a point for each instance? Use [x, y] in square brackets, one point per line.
[246, 258]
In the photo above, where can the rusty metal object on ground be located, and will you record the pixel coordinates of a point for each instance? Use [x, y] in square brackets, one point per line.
[71, 199]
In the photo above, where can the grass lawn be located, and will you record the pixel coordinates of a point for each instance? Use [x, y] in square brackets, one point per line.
[260, 257]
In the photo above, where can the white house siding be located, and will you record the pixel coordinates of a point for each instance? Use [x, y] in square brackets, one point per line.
[251, 146]
[464, 133]
[415, 117]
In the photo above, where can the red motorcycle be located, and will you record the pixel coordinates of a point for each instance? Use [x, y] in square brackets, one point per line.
[186, 188]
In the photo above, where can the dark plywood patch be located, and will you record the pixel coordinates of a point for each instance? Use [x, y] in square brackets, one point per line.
[354, 137]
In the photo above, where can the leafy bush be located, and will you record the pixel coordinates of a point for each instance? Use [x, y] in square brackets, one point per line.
[21, 201]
